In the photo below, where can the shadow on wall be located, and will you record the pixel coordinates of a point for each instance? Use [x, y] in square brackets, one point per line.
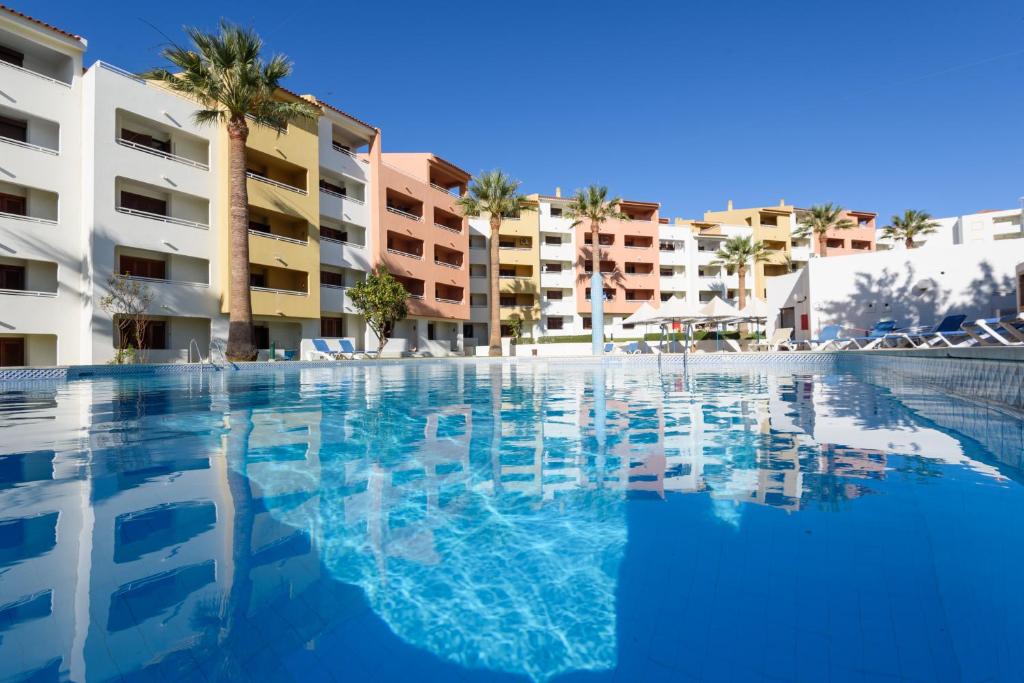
[911, 299]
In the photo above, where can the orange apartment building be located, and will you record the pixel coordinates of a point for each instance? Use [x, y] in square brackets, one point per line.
[627, 257]
[423, 240]
[855, 240]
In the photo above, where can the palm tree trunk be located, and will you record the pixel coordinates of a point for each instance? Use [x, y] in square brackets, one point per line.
[494, 332]
[596, 292]
[741, 275]
[820, 236]
[241, 344]
[909, 241]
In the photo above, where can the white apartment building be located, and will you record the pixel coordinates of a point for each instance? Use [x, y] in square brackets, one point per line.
[983, 226]
[41, 246]
[149, 197]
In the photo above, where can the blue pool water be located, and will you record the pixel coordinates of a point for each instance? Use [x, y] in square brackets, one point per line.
[486, 522]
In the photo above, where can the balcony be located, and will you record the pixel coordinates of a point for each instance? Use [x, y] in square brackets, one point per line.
[275, 226]
[414, 286]
[563, 279]
[450, 184]
[407, 247]
[337, 206]
[343, 246]
[179, 284]
[279, 291]
[447, 221]
[641, 212]
[335, 299]
[267, 170]
[29, 133]
[149, 137]
[35, 63]
[21, 277]
[639, 295]
[607, 267]
[20, 204]
[448, 294]
[637, 242]
[262, 177]
[156, 204]
[404, 206]
[448, 258]
[342, 151]
[557, 252]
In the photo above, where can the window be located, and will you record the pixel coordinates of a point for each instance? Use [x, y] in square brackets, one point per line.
[628, 326]
[477, 242]
[257, 280]
[332, 279]
[138, 202]
[556, 212]
[13, 129]
[552, 267]
[666, 272]
[506, 272]
[333, 234]
[259, 226]
[146, 140]
[667, 246]
[13, 204]
[834, 243]
[12, 350]
[143, 267]
[477, 270]
[554, 240]
[553, 295]
[332, 327]
[556, 323]
[11, 56]
[507, 300]
[154, 333]
[587, 325]
[431, 332]
[12, 277]
[467, 330]
[603, 240]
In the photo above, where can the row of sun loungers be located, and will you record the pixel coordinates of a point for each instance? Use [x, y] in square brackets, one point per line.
[344, 351]
[951, 331]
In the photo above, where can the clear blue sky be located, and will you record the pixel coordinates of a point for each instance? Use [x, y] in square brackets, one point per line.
[876, 105]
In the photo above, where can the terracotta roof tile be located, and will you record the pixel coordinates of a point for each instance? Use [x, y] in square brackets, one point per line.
[16, 13]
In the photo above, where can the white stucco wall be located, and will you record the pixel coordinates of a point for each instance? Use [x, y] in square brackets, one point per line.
[915, 287]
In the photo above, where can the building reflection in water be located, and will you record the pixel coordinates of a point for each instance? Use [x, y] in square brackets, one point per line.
[480, 510]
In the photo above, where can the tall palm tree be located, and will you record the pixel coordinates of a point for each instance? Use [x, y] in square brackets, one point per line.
[911, 224]
[735, 254]
[225, 74]
[592, 205]
[496, 194]
[821, 218]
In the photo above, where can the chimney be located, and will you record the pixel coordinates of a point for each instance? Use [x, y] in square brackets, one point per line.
[679, 221]
[782, 202]
[558, 192]
[728, 206]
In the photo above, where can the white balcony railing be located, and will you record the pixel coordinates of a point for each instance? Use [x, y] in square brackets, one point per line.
[348, 152]
[28, 219]
[290, 292]
[444, 189]
[445, 227]
[329, 286]
[28, 145]
[405, 214]
[418, 257]
[416, 296]
[162, 218]
[163, 155]
[33, 73]
[342, 242]
[515, 277]
[284, 186]
[279, 238]
[164, 281]
[27, 292]
[447, 301]
[453, 266]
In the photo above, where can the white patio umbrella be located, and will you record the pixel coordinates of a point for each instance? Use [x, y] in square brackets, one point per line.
[756, 309]
[717, 311]
[677, 309]
[645, 314]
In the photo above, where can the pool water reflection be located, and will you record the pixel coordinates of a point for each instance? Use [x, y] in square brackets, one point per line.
[475, 521]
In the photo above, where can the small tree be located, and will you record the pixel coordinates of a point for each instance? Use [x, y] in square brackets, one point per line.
[515, 326]
[817, 221]
[735, 254]
[382, 301]
[127, 301]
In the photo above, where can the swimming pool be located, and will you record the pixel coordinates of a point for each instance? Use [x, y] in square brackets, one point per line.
[476, 521]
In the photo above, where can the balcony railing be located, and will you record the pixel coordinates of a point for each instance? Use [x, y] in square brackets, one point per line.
[290, 292]
[328, 286]
[29, 219]
[342, 242]
[515, 248]
[639, 246]
[416, 296]
[406, 214]
[279, 238]
[348, 152]
[28, 145]
[165, 281]
[160, 217]
[33, 73]
[515, 277]
[275, 183]
[418, 257]
[447, 301]
[346, 197]
[444, 189]
[27, 292]
[453, 266]
[449, 229]
[162, 155]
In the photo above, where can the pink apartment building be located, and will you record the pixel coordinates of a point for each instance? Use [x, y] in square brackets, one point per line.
[423, 239]
[627, 258]
[856, 240]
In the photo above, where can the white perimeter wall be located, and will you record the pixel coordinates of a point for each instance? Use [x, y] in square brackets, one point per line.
[916, 287]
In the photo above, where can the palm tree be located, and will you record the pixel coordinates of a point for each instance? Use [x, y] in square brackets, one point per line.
[735, 254]
[592, 204]
[225, 74]
[821, 218]
[910, 225]
[497, 195]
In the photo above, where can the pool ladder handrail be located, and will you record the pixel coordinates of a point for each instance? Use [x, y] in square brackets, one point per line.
[199, 354]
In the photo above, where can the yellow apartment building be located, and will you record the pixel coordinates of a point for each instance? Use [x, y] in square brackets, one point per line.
[772, 225]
